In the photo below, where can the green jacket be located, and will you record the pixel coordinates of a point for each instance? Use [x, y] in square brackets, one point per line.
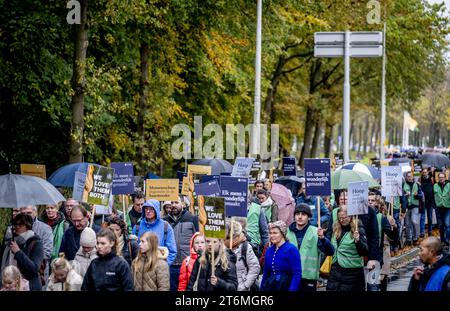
[442, 195]
[309, 253]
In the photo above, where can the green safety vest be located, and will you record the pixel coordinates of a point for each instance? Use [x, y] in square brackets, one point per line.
[379, 217]
[411, 199]
[397, 203]
[309, 253]
[442, 196]
[253, 223]
[346, 253]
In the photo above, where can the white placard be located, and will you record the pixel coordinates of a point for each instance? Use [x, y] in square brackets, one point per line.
[391, 181]
[358, 197]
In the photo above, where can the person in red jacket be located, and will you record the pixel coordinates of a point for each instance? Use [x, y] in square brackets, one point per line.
[197, 248]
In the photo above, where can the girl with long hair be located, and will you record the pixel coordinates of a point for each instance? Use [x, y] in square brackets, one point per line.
[150, 268]
[350, 244]
[63, 277]
[224, 277]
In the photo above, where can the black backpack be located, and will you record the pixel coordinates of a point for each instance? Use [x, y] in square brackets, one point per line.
[244, 248]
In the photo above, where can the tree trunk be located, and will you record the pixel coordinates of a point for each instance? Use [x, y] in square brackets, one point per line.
[352, 127]
[327, 140]
[308, 136]
[143, 99]
[79, 86]
[360, 138]
[316, 138]
[373, 140]
[366, 133]
[274, 82]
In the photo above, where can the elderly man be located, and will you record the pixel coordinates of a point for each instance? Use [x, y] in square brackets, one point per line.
[71, 239]
[435, 276]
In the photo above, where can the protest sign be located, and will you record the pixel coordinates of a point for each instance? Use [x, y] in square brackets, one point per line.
[138, 183]
[358, 195]
[210, 188]
[98, 184]
[289, 166]
[193, 177]
[37, 170]
[215, 217]
[185, 186]
[317, 177]
[162, 189]
[235, 192]
[199, 169]
[447, 174]
[242, 167]
[105, 210]
[384, 163]
[123, 181]
[339, 159]
[78, 185]
[391, 181]
[206, 178]
[416, 168]
[180, 176]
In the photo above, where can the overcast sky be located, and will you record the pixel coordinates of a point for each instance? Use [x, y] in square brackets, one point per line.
[447, 3]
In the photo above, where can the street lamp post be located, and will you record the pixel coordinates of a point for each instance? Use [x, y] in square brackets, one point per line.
[255, 137]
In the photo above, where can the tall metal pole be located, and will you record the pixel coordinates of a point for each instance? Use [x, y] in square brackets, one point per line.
[346, 110]
[254, 146]
[383, 97]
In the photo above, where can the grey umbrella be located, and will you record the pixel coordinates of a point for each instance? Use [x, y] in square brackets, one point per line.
[218, 166]
[21, 190]
[437, 160]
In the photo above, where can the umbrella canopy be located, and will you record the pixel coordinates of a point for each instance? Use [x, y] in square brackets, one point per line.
[65, 176]
[22, 190]
[285, 202]
[437, 160]
[292, 183]
[397, 161]
[366, 169]
[341, 178]
[218, 166]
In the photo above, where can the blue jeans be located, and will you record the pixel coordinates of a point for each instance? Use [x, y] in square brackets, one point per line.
[174, 276]
[444, 223]
[428, 211]
[412, 224]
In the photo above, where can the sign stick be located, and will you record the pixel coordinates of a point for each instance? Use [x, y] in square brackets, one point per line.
[213, 266]
[356, 222]
[231, 233]
[318, 211]
[92, 216]
[392, 206]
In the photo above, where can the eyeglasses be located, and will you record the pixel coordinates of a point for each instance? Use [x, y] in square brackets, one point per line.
[343, 218]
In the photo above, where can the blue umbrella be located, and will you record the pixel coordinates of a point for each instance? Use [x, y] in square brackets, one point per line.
[363, 168]
[152, 176]
[64, 176]
[218, 166]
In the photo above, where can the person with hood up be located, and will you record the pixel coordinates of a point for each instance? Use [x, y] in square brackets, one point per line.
[151, 222]
[224, 277]
[25, 251]
[247, 265]
[127, 248]
[310, 242]
[86, 253]
[108, 272]
[56, 220]
[150, 269]
[197, 247]
[63, 277]
[435, 276]
[282, 264]
[442, 199]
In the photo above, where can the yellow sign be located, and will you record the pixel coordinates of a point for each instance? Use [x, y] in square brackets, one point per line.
[185, 186]
[384, 163]
[37, 170]
[199, 169]
[162, 189]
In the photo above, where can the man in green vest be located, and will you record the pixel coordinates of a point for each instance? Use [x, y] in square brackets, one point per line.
[257, 228]
[442, 199]
[310, 241]
[413, 194]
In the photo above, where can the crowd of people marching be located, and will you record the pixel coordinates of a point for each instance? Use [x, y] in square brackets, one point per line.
[158, 246]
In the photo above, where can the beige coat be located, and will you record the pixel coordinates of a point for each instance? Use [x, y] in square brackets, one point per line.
[156, 280]
[73, 283]
[82, 261]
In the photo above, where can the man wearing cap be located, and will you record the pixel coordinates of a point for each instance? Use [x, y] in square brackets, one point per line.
[151, 222]
[184, 225]
[310, 241]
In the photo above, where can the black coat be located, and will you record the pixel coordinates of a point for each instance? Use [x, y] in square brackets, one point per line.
[126, 250]
[428, 272]
[108, 273]
[70, 243]
[227, 280]
[29, 260]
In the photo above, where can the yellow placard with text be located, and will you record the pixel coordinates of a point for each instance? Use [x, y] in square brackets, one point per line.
[162, 189]
[37, 170]
[185, 186]
[199, 169]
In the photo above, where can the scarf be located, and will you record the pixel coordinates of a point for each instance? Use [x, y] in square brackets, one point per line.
[267, 203]
[237, 240]
[120, 243]
[8, 258]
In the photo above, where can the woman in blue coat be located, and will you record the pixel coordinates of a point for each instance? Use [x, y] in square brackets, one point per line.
[282, 265]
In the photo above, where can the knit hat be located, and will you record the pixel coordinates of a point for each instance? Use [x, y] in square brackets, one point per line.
[88, 238]
[166, 203]
[281, 225]
[303, 208]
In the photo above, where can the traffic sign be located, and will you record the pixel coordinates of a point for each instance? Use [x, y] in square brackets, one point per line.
[356, 51]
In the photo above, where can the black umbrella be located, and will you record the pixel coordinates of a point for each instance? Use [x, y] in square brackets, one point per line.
[293, 183]
[397, 161]
[437, 160]
[218, 166]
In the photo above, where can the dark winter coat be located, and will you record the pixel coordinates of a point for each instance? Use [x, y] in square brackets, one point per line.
[108, 273]
[420, 285]
[29, 260]
[227, 280]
